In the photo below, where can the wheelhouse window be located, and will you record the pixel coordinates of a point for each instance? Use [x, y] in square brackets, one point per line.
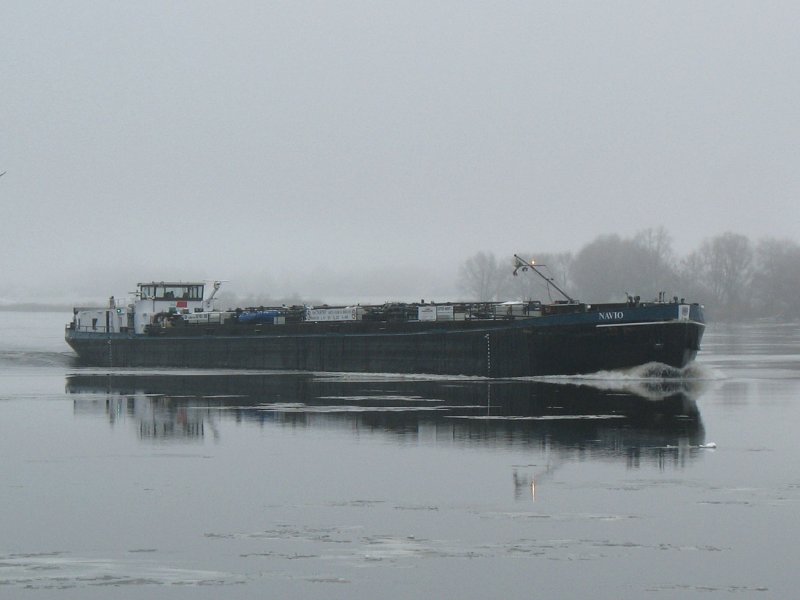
[171, 292]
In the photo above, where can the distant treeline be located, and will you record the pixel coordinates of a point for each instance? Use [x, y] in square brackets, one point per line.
[35, 307]
[734, 277]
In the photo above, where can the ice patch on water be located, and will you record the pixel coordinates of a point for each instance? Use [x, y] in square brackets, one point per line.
[536, 418]
[391, 377]
[287, 407]
[386, 398]
[58, 570]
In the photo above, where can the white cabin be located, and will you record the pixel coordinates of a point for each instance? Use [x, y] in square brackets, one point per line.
[110, 319]
[151, 299]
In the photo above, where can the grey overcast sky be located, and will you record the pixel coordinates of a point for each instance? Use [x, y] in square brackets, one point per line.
[367, 148]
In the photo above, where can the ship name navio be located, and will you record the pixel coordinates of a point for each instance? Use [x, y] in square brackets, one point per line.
[612, 315]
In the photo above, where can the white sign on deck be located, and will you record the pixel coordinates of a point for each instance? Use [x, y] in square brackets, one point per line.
[426, 313]
[435, 313]
[332, 314]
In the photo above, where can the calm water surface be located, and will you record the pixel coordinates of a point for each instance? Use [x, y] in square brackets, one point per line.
[142, 483]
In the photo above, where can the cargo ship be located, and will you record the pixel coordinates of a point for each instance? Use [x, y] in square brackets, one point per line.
[176, 324]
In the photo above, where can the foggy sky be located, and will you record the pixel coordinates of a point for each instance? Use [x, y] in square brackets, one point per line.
[367, 148]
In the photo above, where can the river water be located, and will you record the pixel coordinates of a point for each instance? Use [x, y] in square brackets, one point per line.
[190, 484]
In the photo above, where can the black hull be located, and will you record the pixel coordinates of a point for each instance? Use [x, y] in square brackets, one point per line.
[530, 347]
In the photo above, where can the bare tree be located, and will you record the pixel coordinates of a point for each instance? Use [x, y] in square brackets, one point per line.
[611, 266]
[656, 241]
[725, 273]
[657, 263]
[776, 280]
[604, 269]
[724, 265]
[480, 277]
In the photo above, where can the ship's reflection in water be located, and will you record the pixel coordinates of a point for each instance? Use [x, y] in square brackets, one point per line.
[656, 421]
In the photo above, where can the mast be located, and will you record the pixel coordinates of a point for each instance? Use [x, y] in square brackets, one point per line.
[520, 263]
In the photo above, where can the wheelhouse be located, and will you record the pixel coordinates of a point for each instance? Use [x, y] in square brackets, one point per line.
[170, 291]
